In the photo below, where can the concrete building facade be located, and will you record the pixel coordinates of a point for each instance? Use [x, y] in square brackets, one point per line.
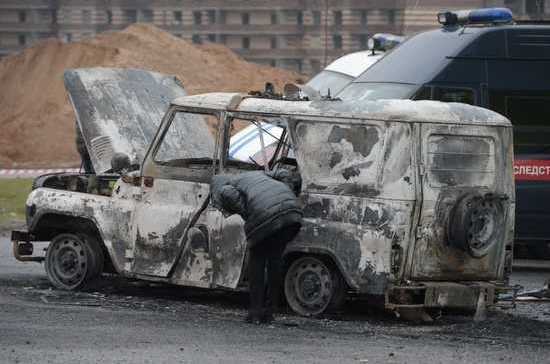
[303, 35]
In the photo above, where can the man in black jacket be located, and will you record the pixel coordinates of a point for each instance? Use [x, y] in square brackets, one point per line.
[272, 216]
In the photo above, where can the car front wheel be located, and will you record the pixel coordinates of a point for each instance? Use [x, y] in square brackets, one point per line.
[73, 261]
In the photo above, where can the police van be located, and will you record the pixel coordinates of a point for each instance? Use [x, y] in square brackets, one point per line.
[482, 57]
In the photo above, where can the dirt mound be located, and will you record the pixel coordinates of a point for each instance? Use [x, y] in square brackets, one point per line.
[37, 121]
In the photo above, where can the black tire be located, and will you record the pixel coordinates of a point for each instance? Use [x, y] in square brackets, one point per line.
[476, 224]
[73, 261]
[313, 287]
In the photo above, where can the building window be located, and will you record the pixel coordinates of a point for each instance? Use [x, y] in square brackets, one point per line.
[338, 18]
[364, 18]
[21, 39]
[130, 15]
[196, 39]
[534, 7]
[273, 42]
[337, 41]
[44, 16]
[68, 37]
[391, 16]
[316, 18]
[109, 17]
[211, 16]
[53, 14]
[22, 16]
[299, 65]
[364, 41]
[86, 16]
[147, 15]
[177, 16]
[245, 18]
[246, 43]
[197, 17]
[274, 18]
[212, 38]
[315, 66]
[300, 18]
[223, 38]
[221, 17]
[514, 5]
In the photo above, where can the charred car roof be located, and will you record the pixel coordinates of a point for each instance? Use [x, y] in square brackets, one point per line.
[385, 110]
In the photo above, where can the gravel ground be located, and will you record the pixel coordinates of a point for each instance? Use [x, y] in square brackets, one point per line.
[136, 322]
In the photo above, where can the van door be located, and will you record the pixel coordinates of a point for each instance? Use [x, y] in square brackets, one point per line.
[463, 176]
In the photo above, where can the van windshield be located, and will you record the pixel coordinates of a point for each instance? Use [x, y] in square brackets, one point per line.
[372, 91]
[329, 80]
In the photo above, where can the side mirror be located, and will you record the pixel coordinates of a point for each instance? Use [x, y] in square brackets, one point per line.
[120, 163]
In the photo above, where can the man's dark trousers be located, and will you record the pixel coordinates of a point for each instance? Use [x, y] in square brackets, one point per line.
[266, 254]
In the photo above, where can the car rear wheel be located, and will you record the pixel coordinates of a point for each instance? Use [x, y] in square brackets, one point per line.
[73, 261]
[313, 287]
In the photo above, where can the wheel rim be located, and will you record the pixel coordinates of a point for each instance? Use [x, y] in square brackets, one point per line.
[308, 286]
[67, 262]
[482, 228]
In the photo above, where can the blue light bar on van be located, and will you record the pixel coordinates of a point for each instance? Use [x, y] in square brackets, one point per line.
[384, 41]
[477, 16]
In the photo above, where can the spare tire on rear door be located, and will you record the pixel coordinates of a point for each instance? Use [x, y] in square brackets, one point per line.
[476, 223]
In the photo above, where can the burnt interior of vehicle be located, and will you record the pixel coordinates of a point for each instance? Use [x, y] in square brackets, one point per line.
[76, 182]
[275, 148]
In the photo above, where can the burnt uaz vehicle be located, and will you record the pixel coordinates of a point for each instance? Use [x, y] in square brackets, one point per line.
[409, 201]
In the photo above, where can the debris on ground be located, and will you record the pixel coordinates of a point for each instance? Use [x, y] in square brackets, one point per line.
[541, 295]
[37, 121]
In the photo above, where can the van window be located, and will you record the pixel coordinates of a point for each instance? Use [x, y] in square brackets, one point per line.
[530, 115]
[449, 94]
[460, 160]
[332, 156]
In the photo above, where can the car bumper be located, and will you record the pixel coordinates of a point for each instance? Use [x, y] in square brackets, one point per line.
[465, 296]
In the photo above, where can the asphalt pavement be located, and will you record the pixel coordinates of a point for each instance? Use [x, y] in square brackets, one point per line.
[135, 322]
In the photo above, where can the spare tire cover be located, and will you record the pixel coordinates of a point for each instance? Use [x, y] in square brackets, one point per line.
[476, 223]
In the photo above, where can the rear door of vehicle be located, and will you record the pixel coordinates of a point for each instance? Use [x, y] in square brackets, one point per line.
[456, 160]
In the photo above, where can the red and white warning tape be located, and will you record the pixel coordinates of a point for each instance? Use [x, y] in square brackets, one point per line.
[27, 173]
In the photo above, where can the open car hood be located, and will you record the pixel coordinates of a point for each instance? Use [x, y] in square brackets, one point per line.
[120, 110]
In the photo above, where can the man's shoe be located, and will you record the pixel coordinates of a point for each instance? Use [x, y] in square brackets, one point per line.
[253, 319]
[267, 318]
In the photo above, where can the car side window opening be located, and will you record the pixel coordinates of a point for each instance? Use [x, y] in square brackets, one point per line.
[189, 139]
[254, 142]
[338, 154]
